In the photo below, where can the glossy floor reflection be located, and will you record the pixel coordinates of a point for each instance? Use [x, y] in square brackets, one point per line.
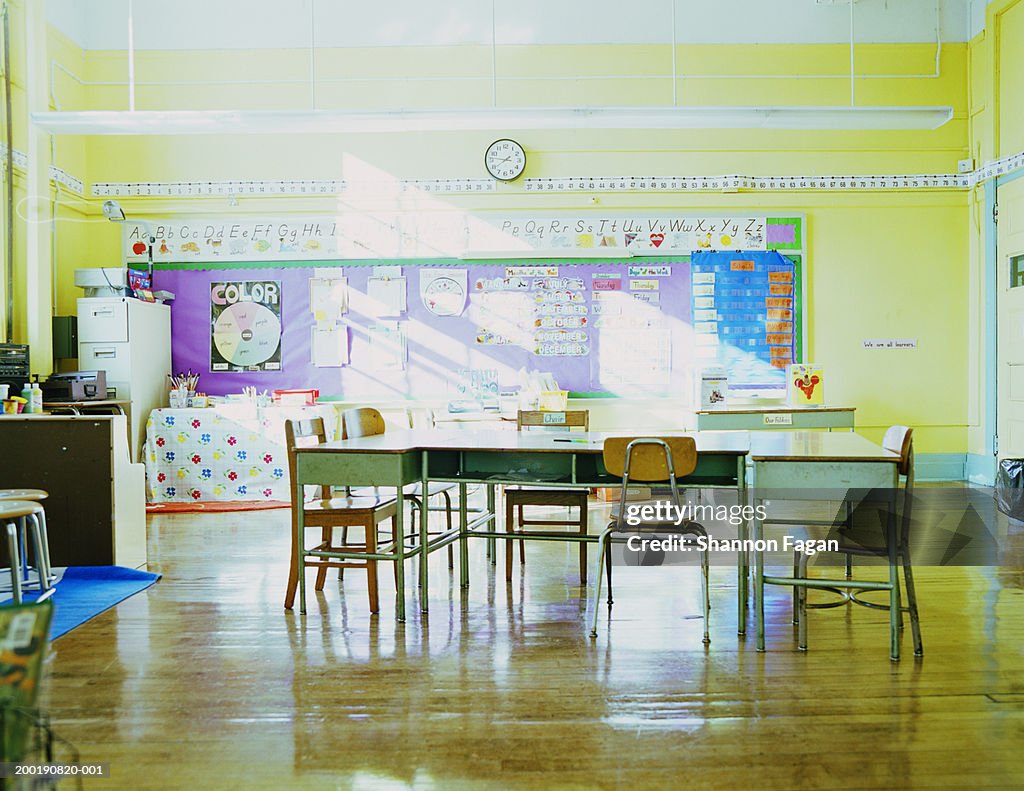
[204, 681]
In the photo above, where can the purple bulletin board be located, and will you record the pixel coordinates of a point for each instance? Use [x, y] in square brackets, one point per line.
[437, 346]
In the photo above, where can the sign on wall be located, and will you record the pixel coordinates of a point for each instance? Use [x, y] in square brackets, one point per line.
[245, 325]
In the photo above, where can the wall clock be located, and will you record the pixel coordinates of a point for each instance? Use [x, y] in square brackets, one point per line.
[505, 159]
[445, 296]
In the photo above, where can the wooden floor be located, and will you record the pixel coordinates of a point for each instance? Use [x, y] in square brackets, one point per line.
[205, 682]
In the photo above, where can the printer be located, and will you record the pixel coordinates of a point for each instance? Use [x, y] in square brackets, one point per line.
[75, 386]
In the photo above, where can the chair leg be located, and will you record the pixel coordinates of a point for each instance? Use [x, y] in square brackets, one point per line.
[326, 536]
[15, 558]
[46, 549]
[40, 549]
[602, 548]
[522, 543]
[584, 517]
[915, 623]
[706, 586]
[796, 588]
[509, 528]
[344, 542]
[802, 603]
[608, 570]
[371, 564]
[293, 570]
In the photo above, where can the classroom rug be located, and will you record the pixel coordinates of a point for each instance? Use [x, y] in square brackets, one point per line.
[83, 592]
[215, 506]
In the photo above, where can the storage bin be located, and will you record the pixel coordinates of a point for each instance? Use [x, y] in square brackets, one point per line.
[295, 397]
[553, 400]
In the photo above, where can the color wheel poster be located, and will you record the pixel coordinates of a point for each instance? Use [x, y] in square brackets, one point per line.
[245, 324]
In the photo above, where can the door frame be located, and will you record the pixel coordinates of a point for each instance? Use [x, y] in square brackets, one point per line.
[986, 476]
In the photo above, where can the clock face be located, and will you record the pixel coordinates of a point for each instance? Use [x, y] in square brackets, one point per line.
[505, 159]
[445, 296]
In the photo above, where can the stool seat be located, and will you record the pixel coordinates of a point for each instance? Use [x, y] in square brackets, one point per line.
[23, 494]
[11, 510]
[16, 509]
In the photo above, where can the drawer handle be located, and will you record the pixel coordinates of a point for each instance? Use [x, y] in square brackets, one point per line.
[105, 353]
[101, 313]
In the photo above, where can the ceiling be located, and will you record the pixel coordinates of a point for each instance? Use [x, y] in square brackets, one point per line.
[238, 24]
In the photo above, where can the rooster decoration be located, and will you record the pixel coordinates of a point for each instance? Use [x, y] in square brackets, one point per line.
[807, 383]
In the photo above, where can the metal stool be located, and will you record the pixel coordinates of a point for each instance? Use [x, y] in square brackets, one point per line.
[36, 496]
[20, 510]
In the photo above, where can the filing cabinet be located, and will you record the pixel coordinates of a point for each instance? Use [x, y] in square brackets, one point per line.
[131, 341]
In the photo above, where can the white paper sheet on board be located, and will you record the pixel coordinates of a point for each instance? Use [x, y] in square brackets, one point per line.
[330, 346]
[636, 357]
[328, 298]
[387, 296]
[388, 346]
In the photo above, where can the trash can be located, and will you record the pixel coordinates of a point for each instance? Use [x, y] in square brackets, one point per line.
[1010, 488]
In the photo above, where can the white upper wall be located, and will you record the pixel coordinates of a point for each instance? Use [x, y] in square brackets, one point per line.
[234, 24]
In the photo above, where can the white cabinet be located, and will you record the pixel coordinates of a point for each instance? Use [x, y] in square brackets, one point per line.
[131, 341]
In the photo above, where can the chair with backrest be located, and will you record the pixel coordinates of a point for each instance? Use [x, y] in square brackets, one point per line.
[898, 439]
[328, 512]
[649, 460]
[519, 497]
[368, 422]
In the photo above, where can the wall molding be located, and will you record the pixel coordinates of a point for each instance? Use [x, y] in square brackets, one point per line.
[940, 466]
[980, 469]
[57, 175]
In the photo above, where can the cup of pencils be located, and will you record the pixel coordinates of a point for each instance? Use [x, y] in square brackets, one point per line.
[183, 389]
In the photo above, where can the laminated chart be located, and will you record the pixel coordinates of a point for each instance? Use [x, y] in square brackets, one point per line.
[534, 308]
[745, 315]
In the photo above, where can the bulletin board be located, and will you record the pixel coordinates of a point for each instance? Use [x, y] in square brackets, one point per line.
[403, 328]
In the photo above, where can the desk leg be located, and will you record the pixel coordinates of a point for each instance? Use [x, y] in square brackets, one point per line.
[463, 540]
[758, 585]
[399, 550]
[894, 591]
[424, 536]
[742, 558]
[492, 551]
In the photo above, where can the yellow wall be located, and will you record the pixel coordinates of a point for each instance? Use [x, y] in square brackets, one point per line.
[72, 211]
[881, 264]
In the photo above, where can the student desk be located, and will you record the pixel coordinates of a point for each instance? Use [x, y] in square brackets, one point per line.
[487, 456]
[753, 418]
[821, 466]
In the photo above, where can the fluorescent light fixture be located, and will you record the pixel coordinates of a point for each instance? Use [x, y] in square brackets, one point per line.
[209, 122]
[550, 252]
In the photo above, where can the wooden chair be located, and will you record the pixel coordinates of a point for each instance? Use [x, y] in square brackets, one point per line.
[368, 422]
[519, 497]
[649, 460]
[898, 439]
[329, 512]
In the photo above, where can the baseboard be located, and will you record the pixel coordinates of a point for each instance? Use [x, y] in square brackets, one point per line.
[980, 469]
[939, 466]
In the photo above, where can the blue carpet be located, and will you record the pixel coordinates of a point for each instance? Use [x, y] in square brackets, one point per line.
[86, 591]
